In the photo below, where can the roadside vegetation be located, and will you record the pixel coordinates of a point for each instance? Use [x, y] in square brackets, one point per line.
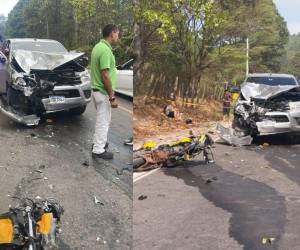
[75, 23]
[194, 48]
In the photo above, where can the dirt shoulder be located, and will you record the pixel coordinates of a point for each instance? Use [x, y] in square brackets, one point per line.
[151, 124]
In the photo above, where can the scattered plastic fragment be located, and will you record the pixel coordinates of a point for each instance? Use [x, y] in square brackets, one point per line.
[143, 197]
[97, 201]
[267, 240]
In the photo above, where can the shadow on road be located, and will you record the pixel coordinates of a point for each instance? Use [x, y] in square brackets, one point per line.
[282, 154]
[257, 210]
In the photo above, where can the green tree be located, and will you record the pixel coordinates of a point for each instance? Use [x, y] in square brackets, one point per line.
[77, 24]
[16, 23]
[2, 27]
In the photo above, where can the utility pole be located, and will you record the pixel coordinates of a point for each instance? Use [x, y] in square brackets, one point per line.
[247, 56]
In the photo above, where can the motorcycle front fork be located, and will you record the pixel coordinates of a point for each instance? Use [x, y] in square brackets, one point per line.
[30, 227]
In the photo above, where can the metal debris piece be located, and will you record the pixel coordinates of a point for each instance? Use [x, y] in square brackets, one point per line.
[228, 136]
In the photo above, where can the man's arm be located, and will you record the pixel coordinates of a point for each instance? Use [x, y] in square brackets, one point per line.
[108, 87]
[106, 82]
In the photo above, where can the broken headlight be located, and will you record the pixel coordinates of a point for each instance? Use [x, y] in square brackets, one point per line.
[21, 82]
[294, 105]
[84, 76]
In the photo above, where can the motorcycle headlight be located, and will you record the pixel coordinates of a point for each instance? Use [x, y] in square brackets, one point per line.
[21, 82]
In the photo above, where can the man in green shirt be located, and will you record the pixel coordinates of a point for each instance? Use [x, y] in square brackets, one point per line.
[103, 81]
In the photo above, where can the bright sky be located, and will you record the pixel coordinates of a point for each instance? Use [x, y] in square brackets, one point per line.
[289, 9]
[6, 6]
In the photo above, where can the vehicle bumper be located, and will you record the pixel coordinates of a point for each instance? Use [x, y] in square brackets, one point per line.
[271, 126]
[83, 97]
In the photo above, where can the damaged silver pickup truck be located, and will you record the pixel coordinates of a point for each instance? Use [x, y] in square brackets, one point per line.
[40, 76]
[268, 104]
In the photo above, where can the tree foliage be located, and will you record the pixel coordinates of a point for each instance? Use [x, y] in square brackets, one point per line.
[75, 23]
[198, 46]
[2, 27]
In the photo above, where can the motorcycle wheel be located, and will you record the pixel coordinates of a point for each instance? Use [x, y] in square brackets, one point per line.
[137, 162]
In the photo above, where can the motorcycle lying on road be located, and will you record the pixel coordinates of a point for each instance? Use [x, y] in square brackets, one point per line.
[167, 155]
[31, 226]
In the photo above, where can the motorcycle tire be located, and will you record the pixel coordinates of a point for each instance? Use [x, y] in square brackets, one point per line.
[137, 162]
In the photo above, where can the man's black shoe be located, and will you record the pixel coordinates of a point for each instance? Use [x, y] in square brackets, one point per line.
[105, 155]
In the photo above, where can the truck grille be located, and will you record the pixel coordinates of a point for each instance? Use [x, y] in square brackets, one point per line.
[61, 77]
[72, 93]
[279, 118]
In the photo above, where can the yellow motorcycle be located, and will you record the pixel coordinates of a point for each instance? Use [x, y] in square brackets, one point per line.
[166, 155]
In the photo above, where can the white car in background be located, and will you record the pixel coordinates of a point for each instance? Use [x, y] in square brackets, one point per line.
[125, 79]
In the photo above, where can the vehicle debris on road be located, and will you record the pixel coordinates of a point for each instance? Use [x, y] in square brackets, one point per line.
[97, 201]
[267, 240]
[143, 197]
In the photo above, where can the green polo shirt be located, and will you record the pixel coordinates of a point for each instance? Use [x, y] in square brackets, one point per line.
[103, 58]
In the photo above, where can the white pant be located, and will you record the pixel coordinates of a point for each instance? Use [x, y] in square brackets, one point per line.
[103, 107]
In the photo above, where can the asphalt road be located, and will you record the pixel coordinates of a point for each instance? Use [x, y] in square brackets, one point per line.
[61, 151]
[250, 193]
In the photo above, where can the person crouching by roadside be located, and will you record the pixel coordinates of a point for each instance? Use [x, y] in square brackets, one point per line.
[227, 99]
[103, 81]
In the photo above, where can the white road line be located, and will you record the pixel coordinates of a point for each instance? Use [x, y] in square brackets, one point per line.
[125, 109]
[139, 176]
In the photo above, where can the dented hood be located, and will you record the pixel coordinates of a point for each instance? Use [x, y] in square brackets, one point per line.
[34, 60]
[262, 91]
